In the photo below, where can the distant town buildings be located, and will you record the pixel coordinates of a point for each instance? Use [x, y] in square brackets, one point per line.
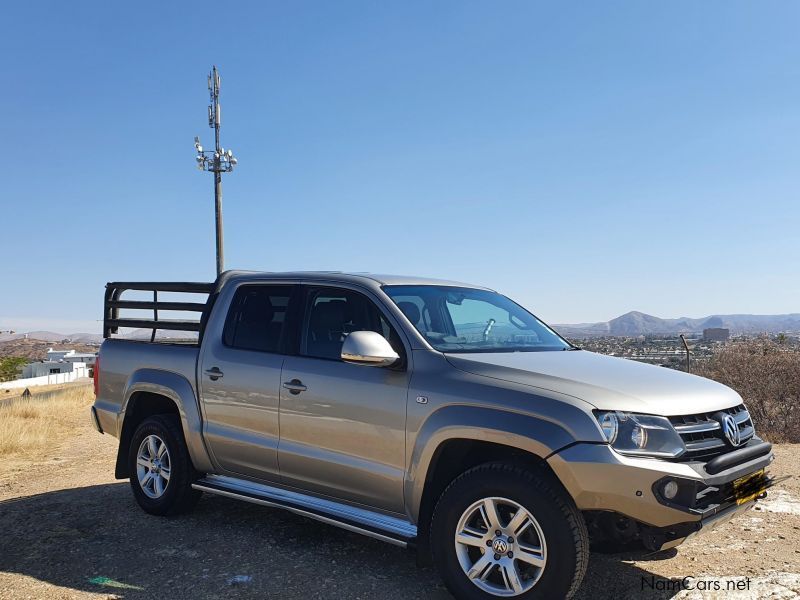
[54, 367]
[663, 350]
[59, 366]
[71, 356]
[716, 334]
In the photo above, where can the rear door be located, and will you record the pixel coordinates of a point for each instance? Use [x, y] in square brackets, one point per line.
[240, 377]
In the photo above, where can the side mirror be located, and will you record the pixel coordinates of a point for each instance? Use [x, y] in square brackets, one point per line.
[368, 348]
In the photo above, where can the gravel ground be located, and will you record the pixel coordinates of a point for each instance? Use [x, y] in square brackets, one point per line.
[69, 530]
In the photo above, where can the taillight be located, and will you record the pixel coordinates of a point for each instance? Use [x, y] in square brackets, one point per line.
[96, 375]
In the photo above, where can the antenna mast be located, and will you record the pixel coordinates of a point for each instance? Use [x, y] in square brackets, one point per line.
[216, 161]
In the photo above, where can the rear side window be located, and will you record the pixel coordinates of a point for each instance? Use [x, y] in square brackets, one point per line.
[257, 318]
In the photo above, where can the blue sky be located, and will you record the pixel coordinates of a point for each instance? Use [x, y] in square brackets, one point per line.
[585, 158]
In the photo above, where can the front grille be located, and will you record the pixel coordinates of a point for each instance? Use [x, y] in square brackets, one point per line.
[703, 436]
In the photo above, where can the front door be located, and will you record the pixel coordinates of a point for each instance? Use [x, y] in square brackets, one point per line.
[343, 425]
[240, 377]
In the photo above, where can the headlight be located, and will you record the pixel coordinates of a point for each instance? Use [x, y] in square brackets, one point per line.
[610, 426]
[641, 435]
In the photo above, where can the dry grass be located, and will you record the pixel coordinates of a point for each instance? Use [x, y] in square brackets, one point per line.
[40, 390]
[31, 425]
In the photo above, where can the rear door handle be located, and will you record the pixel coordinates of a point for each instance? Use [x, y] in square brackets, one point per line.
[214, 373]
[295, 386]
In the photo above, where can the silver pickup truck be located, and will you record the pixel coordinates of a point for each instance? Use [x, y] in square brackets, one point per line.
[429, 414]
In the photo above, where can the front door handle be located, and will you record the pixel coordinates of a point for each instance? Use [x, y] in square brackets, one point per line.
[295, 386]
[214, 373]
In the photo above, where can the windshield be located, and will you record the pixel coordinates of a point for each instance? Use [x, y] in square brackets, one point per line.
[456, 319]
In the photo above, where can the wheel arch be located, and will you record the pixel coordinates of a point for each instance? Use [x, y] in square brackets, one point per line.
[150, 392]
[458, 438]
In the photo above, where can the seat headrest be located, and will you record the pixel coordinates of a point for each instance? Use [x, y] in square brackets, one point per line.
[329, 315]
[257, 309]
[410, 310]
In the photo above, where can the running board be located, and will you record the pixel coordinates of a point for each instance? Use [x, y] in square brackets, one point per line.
[367, 522]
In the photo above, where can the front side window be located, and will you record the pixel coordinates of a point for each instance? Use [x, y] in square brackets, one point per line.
[257, 317]
[456, 319]
[332, 314]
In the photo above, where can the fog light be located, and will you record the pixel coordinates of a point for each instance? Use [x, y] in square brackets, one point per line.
[670, 490]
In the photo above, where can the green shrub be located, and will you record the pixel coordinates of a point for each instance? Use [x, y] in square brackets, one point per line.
[11, 367]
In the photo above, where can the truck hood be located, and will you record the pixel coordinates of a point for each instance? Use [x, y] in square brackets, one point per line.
[605, 382]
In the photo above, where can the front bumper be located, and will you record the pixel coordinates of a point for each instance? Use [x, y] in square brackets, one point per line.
[663, 538]
[600, 479]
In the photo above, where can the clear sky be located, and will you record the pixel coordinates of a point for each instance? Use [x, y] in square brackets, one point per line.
[585, 158]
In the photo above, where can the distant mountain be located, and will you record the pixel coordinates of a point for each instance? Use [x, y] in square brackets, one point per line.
[161, 334]
[633, 323]
[56, 338]
[637, 323]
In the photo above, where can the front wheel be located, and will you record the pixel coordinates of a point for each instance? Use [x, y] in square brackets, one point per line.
[160, 467]
[501, 530]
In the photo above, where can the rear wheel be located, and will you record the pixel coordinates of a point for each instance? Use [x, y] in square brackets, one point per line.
[506, 531]
[160, 467]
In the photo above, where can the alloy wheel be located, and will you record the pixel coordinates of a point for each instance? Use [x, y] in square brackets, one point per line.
[500, 546]
[153, 466]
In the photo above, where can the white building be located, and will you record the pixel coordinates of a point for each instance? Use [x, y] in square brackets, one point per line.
[71, 356]
[54, 367]
[77, 364]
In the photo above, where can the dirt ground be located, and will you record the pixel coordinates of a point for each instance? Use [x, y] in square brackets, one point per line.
[69, 530]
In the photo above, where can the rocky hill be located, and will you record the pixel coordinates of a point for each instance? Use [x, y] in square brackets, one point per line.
[633, 323]
[37, 349]
[637, 323]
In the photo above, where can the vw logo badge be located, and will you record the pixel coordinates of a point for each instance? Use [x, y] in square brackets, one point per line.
[500, 546]
[731, 430]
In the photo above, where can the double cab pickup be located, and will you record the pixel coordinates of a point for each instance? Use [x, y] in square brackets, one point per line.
[430, 414]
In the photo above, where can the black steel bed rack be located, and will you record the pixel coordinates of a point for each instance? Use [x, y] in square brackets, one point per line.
[113, 303]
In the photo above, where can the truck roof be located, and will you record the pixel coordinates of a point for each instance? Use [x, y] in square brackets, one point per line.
[370, 279]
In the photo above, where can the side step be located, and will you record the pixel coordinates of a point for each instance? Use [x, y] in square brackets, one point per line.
[373, 524]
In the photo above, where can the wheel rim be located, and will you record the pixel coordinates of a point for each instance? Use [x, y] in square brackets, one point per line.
[500, 546]
[153, 466]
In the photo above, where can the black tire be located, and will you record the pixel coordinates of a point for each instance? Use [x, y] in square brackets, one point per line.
[178, 496]
[533, 488]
